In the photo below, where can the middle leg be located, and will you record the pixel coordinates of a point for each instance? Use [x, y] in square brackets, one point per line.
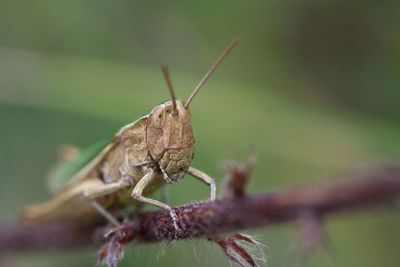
[102, 190]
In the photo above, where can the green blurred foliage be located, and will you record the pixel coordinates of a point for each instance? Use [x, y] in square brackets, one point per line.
[312, 87]
[340, 52]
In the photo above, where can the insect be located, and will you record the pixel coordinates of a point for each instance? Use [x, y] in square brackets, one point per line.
[155, 150]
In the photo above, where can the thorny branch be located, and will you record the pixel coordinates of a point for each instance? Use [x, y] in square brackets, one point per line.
[234, 212]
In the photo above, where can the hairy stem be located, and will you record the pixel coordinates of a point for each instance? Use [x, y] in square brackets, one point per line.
[207, 219]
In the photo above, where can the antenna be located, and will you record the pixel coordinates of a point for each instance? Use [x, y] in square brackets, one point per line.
[212, 69]
[165, 71]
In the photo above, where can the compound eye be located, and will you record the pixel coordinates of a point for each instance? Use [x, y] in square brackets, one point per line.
[158, 118]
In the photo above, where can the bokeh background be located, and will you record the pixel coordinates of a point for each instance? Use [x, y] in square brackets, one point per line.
[313, 87]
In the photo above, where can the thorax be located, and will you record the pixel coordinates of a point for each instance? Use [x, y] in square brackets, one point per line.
[116, 166]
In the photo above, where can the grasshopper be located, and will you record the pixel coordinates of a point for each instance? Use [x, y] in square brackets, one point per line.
[155, 150]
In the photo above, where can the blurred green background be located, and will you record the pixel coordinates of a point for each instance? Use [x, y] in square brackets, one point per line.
[313, 87]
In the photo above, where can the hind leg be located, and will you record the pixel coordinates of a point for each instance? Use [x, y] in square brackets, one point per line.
[75, 204]
[68, 205]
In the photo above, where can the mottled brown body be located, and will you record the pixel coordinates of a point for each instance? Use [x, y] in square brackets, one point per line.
[161, 141]
[144, 155]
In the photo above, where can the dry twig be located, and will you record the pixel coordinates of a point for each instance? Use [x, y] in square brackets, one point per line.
[212, 219]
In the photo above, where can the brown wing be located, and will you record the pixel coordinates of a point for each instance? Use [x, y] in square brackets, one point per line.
[131, 136]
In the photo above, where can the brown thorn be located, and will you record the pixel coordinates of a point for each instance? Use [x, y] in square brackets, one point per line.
[234, 185]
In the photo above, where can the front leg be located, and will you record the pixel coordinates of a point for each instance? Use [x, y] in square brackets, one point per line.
[205, 179]
[141, 185]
